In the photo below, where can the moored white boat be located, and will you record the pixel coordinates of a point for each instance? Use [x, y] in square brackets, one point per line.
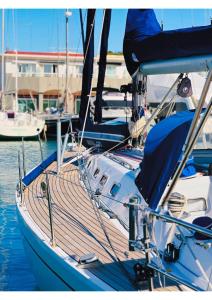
[15, 125]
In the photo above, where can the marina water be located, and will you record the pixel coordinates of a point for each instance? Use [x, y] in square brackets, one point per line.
[15, 272]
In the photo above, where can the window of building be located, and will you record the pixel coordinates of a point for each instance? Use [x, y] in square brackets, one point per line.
[79, 69]
[26, 104]
[50, 68]
[27, 68]
[111, 70]
[49, 102]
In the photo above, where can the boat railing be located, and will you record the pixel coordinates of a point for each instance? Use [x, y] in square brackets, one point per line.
[168, 218]
[141, 238]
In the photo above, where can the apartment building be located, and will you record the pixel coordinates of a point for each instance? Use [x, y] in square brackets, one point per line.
[39, 78]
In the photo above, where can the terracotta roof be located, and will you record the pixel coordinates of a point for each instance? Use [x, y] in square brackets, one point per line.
[44, 53]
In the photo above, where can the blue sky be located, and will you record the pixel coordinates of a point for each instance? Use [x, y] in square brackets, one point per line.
[44, 29]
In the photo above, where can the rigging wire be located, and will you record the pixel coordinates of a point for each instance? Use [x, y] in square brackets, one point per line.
[101, 222]
[70, 181]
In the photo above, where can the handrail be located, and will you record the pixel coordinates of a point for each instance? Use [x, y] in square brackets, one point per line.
[197, 228]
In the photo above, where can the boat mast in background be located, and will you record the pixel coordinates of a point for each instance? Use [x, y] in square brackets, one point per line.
[67, 15]
[2, 62]
[16, 81]
[82, 30]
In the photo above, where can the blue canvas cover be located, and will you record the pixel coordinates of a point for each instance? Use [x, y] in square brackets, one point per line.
[102, 66]
[189, 169]
[144, 40]
[39, 169]
[163, 149]
[88, 67]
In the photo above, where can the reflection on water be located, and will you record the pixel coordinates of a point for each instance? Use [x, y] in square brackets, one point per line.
[15, 273]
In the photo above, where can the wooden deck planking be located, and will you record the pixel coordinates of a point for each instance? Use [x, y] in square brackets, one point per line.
[75, 221]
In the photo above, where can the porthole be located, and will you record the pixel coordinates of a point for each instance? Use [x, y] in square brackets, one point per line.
[115, 188]
[96, 173]
[103, 180]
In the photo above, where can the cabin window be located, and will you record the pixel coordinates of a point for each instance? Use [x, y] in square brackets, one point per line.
[96, 173]
[103, 180]
[89, 163]
[114, 190]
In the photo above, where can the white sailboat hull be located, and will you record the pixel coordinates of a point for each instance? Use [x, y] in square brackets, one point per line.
[23, 125]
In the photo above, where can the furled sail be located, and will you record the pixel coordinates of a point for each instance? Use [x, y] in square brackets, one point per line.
[102, 66]
[97, 132]
[88, 66]
[144, 40]
[162, 152]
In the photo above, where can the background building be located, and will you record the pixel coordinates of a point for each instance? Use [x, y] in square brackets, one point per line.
[40, 77]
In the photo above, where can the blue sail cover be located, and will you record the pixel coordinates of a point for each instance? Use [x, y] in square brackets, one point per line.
[163, 149]
[144, 40]
[88, 67]
[102, 66]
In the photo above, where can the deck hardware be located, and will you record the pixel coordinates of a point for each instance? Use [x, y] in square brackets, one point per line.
[143, 272]
[160, 106]
[147, 250]
[23, 157]
[44, 189]
[39, 140]
[171, 253]
[20, 178]
[89, 260]
[64, 146]
[58, 145]
[132, 217]
[48, 197]
[126, 253]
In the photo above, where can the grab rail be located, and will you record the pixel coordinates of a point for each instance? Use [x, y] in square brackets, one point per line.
[187, 225]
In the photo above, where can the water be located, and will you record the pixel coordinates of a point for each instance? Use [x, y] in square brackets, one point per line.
[15, 272]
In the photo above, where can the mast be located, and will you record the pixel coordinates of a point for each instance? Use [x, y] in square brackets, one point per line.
[82, 31]
[84, 112]
[16, 81]
[2, 62]
[102, 65]
[67, 15]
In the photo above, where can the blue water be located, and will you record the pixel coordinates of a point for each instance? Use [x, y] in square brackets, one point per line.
[15, 272]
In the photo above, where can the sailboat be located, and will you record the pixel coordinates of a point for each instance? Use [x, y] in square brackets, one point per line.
[14, 124]
[122, 219]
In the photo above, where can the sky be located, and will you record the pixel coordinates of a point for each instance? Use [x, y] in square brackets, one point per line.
[44, 29]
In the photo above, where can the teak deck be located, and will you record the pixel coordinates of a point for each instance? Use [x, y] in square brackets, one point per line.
[78, 230]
